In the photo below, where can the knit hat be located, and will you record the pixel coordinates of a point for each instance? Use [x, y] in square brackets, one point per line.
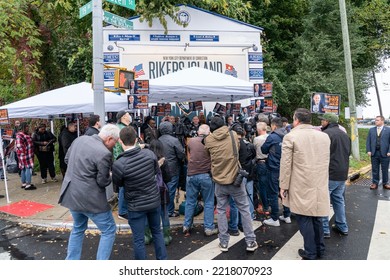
[215, 123]
[119, 115]
[330, 117]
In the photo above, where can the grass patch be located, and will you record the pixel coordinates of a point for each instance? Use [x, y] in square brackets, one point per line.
[365, 160]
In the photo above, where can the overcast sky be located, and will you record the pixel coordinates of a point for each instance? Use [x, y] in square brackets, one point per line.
[383, 82]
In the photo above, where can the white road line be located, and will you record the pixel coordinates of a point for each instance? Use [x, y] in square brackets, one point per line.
[380, 239]
[290, 250]
[211, 250]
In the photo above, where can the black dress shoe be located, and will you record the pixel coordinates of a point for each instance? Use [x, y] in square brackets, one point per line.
[302, 253]
[336, 229]
[373, 186]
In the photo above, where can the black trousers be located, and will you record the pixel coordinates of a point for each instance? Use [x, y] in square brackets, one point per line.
[46, 161]
[313, 235]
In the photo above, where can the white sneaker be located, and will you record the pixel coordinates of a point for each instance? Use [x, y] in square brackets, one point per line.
[271, 222]
[287, 220]
[54, 179]
[44, 181]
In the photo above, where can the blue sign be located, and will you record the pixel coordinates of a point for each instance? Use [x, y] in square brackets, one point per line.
[109, 75]
[255, 58]
[256, 74]
[124, 37]
[158, 37]
[112, 58]
[204, 38]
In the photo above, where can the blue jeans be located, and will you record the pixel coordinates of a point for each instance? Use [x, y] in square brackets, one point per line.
[222, 193]
[313, 235]
[262, 182]
[172, 187]
[25, 175]
[235, 217]
[273, 195]
[122, 204]
[336, 193]
[137, 220]
[382, 162]
[199, 183]
[105, 223]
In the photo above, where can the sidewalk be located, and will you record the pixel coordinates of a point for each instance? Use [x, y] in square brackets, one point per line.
[57, 217]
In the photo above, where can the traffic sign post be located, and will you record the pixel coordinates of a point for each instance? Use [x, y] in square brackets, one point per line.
[130, 4]
[85, 10]
[98, 16]
[117, 20]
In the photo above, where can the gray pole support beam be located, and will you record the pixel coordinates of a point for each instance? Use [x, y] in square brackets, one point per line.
[98, 76]
[350, 85]
[377, 93]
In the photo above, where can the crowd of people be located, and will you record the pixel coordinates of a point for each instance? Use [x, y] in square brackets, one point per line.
[240, 172]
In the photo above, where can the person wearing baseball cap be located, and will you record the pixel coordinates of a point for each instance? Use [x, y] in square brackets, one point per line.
[340, 149]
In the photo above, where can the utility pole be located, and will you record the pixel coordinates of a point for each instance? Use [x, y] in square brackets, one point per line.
[98, 78]
[350, 85]
[377, 94]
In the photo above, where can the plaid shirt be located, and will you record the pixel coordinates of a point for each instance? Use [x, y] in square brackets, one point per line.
[24, 150]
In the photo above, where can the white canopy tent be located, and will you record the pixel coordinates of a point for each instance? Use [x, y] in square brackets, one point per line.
[77, 98]
[193, 84]
[190, 84]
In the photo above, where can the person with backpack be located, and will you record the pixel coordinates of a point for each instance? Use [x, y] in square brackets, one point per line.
[135, 170]
[246, 155]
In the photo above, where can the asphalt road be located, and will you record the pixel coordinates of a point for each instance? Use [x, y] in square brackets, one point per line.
[20, 243]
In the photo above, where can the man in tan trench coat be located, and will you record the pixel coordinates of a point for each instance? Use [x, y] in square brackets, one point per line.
[304, 168]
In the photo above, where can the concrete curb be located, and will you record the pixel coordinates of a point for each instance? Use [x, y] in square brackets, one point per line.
[356, 175]
[58, 225]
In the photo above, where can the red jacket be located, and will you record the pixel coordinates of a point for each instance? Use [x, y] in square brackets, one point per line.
[24, 150]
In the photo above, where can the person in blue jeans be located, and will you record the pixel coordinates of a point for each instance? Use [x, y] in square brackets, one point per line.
[246, 156]
[199, 181]
[174, 157]
[124, 119]
[158, 149]
[340, 149]
[261, 167]
[273, 148]
[235, 221]
[83, 192]
[136, 169]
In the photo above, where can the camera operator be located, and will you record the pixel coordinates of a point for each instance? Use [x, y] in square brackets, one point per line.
[224, 169]
[246, 154]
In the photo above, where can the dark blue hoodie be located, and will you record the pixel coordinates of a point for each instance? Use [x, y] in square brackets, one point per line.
[273, 147]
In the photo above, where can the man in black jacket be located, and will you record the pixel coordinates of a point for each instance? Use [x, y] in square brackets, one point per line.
[174, 156]
[93, 125]
[340, 149]
[135, 170]
[65, 140]
[273, 148]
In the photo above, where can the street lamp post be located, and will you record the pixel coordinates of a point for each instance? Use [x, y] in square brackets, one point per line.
[98, 79]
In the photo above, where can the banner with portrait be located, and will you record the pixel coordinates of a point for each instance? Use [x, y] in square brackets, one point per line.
[4, 118]
[137, 102]
[322, 103]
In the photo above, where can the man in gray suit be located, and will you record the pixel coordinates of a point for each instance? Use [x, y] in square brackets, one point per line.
[83, 190]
